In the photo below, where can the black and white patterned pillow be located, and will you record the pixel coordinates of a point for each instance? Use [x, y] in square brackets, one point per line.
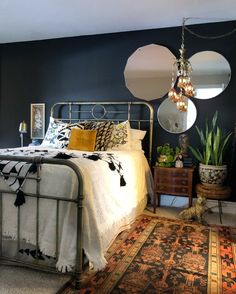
[64, 134]
[104, 130]
[50, 139]
[120, 137]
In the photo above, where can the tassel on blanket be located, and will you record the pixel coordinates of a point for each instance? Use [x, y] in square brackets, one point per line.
[64, 268]
[113, 164]
[122, 181]
[33, 168]
[62, 155]
[20, 198]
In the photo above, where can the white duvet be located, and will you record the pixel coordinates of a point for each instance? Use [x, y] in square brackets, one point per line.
[108, 207]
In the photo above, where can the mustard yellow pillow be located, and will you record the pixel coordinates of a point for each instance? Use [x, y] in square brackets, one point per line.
[83, 140]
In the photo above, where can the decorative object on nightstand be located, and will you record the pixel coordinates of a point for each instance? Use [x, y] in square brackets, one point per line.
[179, 162]
[184, 143]
[22, 131]
[213, 140]
[172, 181]
[216, 193]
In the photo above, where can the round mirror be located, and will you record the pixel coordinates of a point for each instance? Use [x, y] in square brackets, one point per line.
[211, 74]
[148, 72]
[174, 121]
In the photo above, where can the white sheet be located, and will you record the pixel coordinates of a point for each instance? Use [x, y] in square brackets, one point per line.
[108, 208]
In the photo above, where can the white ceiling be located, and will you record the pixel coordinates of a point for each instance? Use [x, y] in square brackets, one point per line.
[25, 20]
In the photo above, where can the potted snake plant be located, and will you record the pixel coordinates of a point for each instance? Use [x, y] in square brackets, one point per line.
[212, 170]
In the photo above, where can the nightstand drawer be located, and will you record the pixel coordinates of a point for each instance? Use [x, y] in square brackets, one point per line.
[174, 172]
[172, 180]
[165, 189]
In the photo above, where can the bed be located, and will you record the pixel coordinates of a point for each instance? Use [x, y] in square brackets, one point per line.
[64, 206]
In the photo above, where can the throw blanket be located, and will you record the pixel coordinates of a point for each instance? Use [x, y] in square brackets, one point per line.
[15, 172]
[108, 206]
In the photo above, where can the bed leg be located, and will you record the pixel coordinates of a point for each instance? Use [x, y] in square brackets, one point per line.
[77, 281]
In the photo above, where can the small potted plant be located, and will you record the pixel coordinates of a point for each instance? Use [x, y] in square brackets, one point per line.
[166, 155]
[212, 170]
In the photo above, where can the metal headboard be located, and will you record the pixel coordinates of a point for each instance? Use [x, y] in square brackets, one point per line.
[139, 114]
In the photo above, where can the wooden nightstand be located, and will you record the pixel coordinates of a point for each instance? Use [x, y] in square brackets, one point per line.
[172, 181]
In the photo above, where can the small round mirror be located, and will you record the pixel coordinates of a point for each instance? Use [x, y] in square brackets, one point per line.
[174, 121]
[148, 72]
[211, 74]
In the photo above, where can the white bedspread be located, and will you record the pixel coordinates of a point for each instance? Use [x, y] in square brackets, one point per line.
[108, 207]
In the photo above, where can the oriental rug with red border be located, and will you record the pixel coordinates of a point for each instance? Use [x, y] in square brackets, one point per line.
[159, 255]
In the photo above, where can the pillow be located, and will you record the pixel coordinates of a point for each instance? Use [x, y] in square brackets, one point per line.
[64, 134]
[136, 137]
[120, 137]
[104, 130]
[50, 139]
[83, 140]
[58, 133]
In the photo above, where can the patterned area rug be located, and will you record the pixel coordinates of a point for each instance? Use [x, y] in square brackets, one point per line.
[159, 255]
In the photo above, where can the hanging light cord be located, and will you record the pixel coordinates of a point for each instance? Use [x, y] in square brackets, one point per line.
[183, 27]
[202, 36]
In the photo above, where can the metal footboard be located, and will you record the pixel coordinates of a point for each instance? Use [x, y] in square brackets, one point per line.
[38, 161]
[139, 114]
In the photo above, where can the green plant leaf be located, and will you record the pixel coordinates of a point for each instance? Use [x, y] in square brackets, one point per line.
[208, 147]
[201, 135]
[222, 148]
[214, 120]
[213, 143]
[197, 154]
[216, 146]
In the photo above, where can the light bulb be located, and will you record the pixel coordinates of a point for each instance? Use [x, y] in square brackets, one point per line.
[183, 81]
[173, 95]
[189, 90]
[181, 106]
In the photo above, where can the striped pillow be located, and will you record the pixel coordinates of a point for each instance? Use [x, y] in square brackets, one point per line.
[104, 130]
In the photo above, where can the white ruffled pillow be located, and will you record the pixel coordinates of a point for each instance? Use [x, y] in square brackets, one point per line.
[136, 137]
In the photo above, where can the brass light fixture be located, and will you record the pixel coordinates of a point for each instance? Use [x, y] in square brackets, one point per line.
[22, 131]
[181, 87]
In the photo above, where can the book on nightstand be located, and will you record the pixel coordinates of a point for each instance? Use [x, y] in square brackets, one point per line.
[187, 162]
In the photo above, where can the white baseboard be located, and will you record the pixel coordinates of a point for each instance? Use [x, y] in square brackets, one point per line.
[177, 201]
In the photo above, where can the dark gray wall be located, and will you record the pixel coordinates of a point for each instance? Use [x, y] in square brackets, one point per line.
[91, 68]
